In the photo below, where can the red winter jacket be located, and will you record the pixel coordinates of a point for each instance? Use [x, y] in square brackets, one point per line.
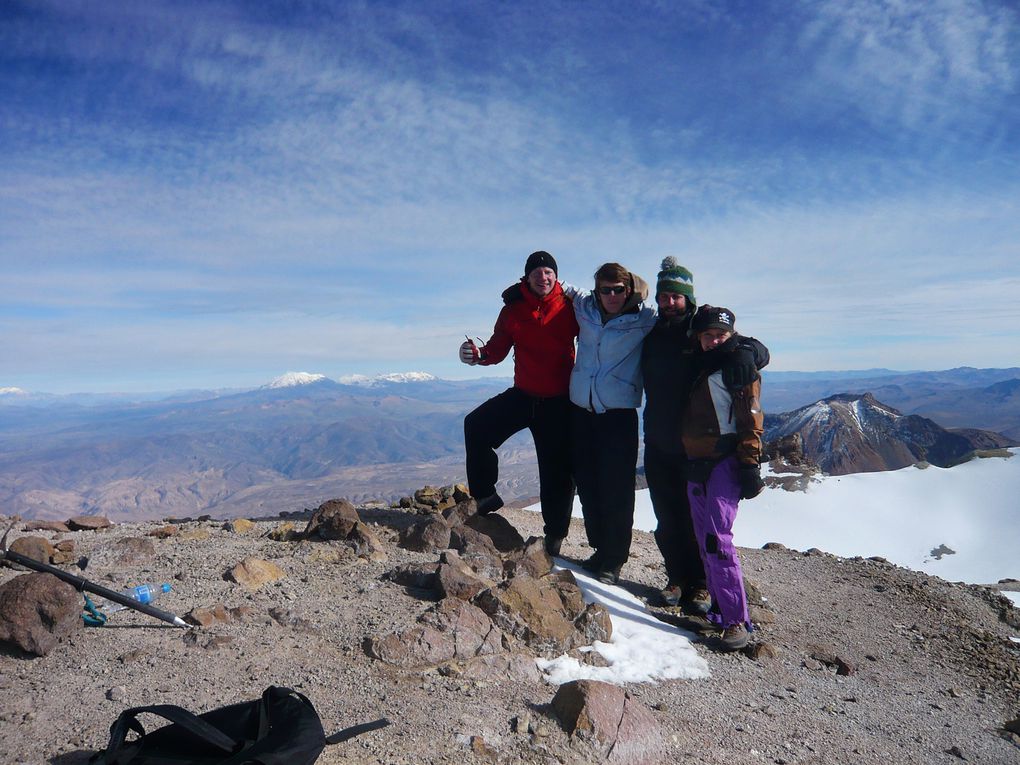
[541, 331]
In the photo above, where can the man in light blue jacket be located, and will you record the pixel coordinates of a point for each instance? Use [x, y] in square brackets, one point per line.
[605, 392]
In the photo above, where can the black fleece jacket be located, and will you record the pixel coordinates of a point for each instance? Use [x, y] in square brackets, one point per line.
[669, 366]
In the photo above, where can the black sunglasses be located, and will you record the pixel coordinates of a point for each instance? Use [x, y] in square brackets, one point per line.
[617, 290]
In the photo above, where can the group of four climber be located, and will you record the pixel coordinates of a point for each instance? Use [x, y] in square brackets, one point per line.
[702, 423]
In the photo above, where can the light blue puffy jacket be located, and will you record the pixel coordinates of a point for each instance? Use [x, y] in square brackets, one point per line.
[607, 371]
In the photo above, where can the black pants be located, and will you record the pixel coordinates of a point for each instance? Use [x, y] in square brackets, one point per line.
[604, 450]
[674, 532]
[548, 419]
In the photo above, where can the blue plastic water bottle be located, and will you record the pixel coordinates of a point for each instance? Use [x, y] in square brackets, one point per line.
[143, 593]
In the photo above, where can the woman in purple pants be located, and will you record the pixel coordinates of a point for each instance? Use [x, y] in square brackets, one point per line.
[722, 429]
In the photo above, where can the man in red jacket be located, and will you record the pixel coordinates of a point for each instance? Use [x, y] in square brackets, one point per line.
[538, 323]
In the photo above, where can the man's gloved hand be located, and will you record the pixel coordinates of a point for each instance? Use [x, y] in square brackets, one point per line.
[469, 353]
[751, 483]
[739, 368]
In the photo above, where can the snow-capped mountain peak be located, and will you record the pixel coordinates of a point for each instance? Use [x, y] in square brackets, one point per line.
[13, 392]
[391, 377]
[292, 379]
[854, 432]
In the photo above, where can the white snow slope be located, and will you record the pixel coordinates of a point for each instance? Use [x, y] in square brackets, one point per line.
[901, 515]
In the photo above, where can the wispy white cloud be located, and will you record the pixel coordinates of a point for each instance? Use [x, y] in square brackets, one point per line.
[924, 67]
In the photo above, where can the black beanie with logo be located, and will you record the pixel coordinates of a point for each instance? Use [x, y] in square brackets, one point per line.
[540, 259]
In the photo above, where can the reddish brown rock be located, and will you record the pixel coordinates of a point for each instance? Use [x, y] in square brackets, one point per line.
[477, 551]
[239, 526]
[502, 533]
[365, 543]
[37, 610]
[451, 630]
[206, 617]
[63, 552]
[625, 729]
[530, 610]
[285, 532]
[88, 523]
[531, 559]
[422, 646]
[253, 573]
[334, 519]
[455, 582]
[164, 532]
[430, 534]
[36, 548]
[473, 633]
[460, 512]
[429, 496]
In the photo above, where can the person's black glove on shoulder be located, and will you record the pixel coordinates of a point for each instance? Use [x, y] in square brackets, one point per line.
[751, 483]
[740, 368]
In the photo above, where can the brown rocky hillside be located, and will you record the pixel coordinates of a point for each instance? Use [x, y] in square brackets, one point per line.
[855, 660]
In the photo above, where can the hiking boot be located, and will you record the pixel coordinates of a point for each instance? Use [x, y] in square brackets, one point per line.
[734, 637]
[552, 546]
[489, 504]
[671, 594]
[697, 601]
[609, 575]
[592, 563]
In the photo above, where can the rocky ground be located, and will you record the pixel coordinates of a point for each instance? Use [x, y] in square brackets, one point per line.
[858, 661]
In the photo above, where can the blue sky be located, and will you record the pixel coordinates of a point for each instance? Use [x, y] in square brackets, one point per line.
[205, 194]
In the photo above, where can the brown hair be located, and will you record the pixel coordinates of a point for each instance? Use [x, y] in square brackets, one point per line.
[612, 273]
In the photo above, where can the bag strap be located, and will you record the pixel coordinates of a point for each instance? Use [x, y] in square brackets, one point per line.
[180, 716]
[356, 730]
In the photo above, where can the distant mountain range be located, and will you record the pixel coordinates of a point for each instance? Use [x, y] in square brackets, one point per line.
[303, 438]
[297, 440]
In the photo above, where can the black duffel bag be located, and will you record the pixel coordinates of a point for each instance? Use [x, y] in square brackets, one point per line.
[281, 728]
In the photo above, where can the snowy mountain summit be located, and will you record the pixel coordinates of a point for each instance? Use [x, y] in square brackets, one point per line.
[292, 379]
[13, 392]
[856, 433]
[392, 377]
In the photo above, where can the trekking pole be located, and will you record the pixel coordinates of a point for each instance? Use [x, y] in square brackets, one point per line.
[84, 585]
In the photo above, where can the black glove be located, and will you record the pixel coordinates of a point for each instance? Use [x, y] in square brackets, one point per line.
[739, 369]
[751, 484]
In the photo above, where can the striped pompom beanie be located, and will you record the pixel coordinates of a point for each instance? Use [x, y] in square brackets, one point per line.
[675, 278]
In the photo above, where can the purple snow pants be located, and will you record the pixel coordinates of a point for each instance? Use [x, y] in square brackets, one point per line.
[713, 510]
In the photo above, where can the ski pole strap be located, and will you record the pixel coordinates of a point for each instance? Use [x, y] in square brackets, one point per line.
[92, 616]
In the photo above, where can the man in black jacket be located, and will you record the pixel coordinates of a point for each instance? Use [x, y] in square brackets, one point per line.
[668, 369]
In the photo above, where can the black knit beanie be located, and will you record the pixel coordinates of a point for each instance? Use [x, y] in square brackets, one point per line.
[540, 259]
